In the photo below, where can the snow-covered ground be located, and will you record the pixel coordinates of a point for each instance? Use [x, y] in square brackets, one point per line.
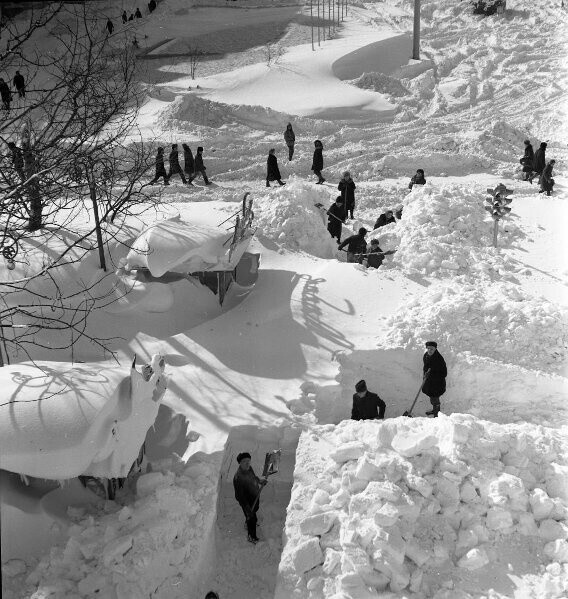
[467, 506]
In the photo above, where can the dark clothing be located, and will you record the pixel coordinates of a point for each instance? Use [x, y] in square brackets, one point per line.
[317, 162]
[356, 244]
[188, 159]
[398, 213]
[528, 159]
[383, 220]
[334, 225]
[375, 257]
[110, 28]
[546, 180]
[175, 167]
[272, 170]
[160, 169]
[247, 487]
[290, 139]
[152, 5]
[18, 161]
[417, 180]
[124, 17]
[539, 161]
[138, 14]
[20, 84]
[347, 189]
[6, 95]
[368, 407]
[199, 168]
[435, 384]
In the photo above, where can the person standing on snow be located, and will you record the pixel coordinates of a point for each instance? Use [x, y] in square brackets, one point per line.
[175, 168]
[527, 160]
[356, 246]
[347, 188]
[137, 14]
[272, 170]
[539, 162]
[160, 168]
[290, 139]
[417, 179]
[336, 216]
[124, 17]
[20, 83]
[435, 384]
[546, 180]
[366, 405]
[247, 487]
[109, 26]
[189, 163]
[200, 167]
[17, 160]
[317, 162]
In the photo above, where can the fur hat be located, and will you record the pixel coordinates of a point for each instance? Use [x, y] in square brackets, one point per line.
[243, 456]
[363, 231]
[361, 386]
[200, 149]
[431, 344]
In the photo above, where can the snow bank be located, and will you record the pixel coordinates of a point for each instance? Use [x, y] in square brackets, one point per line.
[417, 503]
[156, 542]
[289, 217]
[500, 321]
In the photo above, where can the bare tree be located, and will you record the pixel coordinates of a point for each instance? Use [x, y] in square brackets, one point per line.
[272, 54]
[195, 57]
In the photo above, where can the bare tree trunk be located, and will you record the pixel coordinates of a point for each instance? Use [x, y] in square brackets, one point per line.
[93, 193]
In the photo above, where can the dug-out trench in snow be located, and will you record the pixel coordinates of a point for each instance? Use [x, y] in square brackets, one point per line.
[239, 569]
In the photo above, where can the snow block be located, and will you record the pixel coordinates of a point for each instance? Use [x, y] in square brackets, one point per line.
[557, 551]
[414, 552]
[399, 574]
[390, 543]
[557, 481]
[447, 492]
[355, 559]
[498, 518]
[541, 504]
[149, 482]
[92, 584]
[384, 490]
[115, 549]
[367, 470]
[526, 525]
[550, 530]
[507, 487]
[387, 431]
[474, 559]
[409, 444]
[318, 524]
[348, 451]
[332, 560]
[468, 493]
[420, 484]
[386, 515]
[307, 555]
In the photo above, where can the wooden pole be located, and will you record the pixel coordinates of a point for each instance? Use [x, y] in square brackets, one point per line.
[416, 34]
[312, 21]
[495, 229]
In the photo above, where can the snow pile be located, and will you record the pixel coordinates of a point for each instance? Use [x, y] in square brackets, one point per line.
[289, 217]
[139, 549]
[500, 321]
[446, 231]
[407, 506]
[381, 83]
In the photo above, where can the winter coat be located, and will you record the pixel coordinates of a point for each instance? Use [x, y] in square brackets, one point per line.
[188, 160]
[528, 159]
[375, 257]
[356, 244]
[17, 158]
[539, 160]
[5, 91]
[417, 180]
[368, 407]
[19, 81]
[199, 166]
[272, 170]
[174, 161]
[317, 162]
[334, 225]
[289, 137]
[383, 220]
[435, 384]
[160, 163]
[546, 180]
[247, 486]
[347, 189]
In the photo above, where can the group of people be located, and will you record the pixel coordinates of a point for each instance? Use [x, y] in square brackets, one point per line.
[19, 84]
[534, 164]
[193, 165]
[135, 15]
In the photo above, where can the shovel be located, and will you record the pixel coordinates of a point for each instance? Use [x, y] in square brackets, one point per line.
[408, 413]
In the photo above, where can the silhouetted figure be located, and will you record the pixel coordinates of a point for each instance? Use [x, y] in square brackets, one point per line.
[152, 5]
[539, 162]
[247, 487]
[20, 84]
[175, 168]
[272, 170]
[189, 162]
[5, 94]
[124, 17]
[435, 385]
[160, 168]
[200, 167]
[290, 139]
[418, 179]
[138, 14]
[336, 218]
[17, 160]
[527, 160]
[317, 162]
[347, 188]
[110, 27]
[546, 180]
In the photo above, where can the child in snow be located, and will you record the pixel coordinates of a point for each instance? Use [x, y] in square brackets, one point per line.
[527, 160]
[317, 162]
[272, 170]
[175, 167]
[356, 246]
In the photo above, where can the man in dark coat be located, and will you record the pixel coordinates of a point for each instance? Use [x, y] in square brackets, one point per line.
[386, 218]
[189, 163]
[110, 29]
[417, 179]
[435, 384]
[160, 168]
[356, 246]
[247, 488]
[546, 180]
[272, 170]
[138, 14]
[175, 167]
[317, 162]
[124, 17]
[375, 256]
[17, 160]
[5, 94]
[367, 405]
[527, 160]
[20, 84]
[200, 167]
[290, 139]
[347, 188]
[336, 216]
[539, 162]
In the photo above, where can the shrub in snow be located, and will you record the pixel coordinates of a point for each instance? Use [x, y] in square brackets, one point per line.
[289, 217]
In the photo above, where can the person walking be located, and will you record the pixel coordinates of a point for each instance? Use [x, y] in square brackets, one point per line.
[417, 179]
[435, 384]
[247, 487]
[20, 84]
[317, 162]
[137, 14]
[386, 218]
[189, 162]
[539, 162]
[5, 94]
[109, 26]
[17, 160]
[366, 405]
[124, 17]
[336, 217]
[356, 246]
[546, 180]
[175, 168]
[527, 160]
[290, 139]
[199, 167]
[160, 168]
[347, 188]
[272, 170]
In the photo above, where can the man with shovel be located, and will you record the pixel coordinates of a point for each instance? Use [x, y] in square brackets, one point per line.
[367, 405]
[435, 383]
[247, 491]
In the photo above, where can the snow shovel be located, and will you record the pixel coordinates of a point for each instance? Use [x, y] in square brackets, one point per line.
[271, 465]
[408, 413]
[320, 206]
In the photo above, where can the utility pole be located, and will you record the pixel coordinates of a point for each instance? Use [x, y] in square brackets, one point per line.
[312, 21]
[416, 37]
[318, 22]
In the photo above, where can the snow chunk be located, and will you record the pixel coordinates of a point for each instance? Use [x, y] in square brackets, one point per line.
[307, 555]
[499, 518]
[148, 483]
[318, 524]
[411, 444]
[348, 451]
[557, 550]
[474, 559]
[541, 504]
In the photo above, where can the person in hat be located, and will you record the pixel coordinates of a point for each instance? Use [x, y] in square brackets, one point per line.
[317, 162]
[199, 166]
[375, 255]
[386, 218]
[539, 162]
[527, 160]
[356, 246]
[417, 179]
[272, 170]
[336, 216]
[435, 384]
[366, 405]
[347, 188]
[247, 488]
[160, 168]
[290, 139]
[175, 167]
